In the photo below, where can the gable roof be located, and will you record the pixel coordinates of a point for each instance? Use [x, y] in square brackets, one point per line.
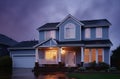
[52, 42]
[86, 23]
[24, 44]
[66, 18]
[7, 41]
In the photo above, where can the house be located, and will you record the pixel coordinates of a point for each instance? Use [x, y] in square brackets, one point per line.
[69, 42]
[5, 42]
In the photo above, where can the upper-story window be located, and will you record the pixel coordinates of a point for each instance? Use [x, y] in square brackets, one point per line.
[50, 34]
[99, 32]
[69, 31]
[87, 33]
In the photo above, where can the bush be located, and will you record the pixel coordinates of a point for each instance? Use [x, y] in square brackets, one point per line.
[5, 64]
[98, 66]
[92, 65]
[112, 69]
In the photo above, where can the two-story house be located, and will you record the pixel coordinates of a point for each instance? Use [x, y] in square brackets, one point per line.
[72, 41]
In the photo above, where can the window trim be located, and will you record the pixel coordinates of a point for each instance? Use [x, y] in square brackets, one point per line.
[90, 55]
[71, 37]
[87, 33]
[50, 34]
[99, 33]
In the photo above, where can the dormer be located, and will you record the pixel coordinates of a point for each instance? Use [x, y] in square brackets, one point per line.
[70, 29]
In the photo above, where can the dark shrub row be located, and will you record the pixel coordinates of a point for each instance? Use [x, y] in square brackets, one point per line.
[5, 64]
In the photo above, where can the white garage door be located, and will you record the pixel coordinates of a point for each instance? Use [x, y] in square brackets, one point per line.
[23, 61]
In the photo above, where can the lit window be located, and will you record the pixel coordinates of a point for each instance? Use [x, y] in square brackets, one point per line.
[51, 55]
[86, 56]
[93, 57]
[100, 55]
[99, 32]
[87, 33]
[49, 34]
[69, 30]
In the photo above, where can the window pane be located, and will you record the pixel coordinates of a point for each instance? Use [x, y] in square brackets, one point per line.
[69, 30]
[93, 57]
[47, 34]
[86, 56]
[100, 55]
[52, 34]
[98, 32]
[87, 33]
[51, 55]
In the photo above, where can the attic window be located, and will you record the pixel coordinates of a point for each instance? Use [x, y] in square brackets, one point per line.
[69, 31]
[98, 32]
[50, 34]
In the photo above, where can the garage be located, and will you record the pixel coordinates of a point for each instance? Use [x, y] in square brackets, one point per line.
[23, 61]
[23, 54]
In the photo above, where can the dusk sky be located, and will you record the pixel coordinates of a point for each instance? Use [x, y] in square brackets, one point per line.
[19, 19]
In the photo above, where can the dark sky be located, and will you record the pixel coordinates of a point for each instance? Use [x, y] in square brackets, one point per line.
[19, 19]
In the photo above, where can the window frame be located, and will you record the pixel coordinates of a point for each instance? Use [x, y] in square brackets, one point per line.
[50, 34]
[73, 29]
[87, 33]
[97, 55]
[99, 33]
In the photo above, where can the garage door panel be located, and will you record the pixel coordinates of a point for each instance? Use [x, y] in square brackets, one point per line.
[23, 61]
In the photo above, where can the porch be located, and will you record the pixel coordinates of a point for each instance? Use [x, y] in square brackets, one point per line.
[59, 56]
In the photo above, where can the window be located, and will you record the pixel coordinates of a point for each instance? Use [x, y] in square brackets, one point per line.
[87, 33]
[90, 55]
[99, 32]
[69, 31]
[50, 34]
[93, 53]
[51, 55]
[100, 55]
[86, 56]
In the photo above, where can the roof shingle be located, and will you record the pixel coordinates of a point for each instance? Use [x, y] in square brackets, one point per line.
[6, 40]
[25, 44]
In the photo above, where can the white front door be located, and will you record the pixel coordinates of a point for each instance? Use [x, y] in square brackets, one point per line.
[70, 59]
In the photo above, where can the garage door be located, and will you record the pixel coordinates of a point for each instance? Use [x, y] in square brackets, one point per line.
[23, 61]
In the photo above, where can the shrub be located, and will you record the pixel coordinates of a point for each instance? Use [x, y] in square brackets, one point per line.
[111, 69]
[98, 66]
[5, 64]
[92, 65]
[103, 66]
[82, 69]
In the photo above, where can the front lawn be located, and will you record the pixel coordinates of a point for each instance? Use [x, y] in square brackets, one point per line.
[94, 75]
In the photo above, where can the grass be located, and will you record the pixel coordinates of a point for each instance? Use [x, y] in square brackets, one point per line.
[94, 75]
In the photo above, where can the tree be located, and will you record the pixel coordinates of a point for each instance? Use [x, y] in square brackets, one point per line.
[115, 58]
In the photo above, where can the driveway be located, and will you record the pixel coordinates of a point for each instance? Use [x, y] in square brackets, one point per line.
[28, 74]
[23, 74]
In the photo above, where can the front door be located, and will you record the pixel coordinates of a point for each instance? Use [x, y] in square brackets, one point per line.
[70, 59]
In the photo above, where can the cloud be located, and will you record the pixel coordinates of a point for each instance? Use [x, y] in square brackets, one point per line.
[19, 19]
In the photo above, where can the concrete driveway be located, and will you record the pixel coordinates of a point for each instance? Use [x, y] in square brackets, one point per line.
[28, 74]
[23, 74]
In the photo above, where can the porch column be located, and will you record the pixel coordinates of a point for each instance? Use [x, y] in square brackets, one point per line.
[82, 54]
[59, 54]
[96, 55]
[36, 55]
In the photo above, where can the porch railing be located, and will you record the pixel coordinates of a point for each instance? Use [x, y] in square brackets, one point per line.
[44, 61]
